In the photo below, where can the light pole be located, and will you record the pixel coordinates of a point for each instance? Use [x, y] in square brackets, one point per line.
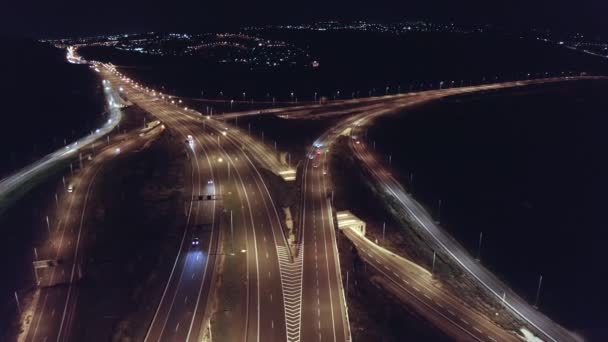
[383, 231]
[18, 304]
[231, 233]
[433, 265]
[540, 282]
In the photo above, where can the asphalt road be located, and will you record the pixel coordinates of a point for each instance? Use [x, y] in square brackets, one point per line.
[257, 219]
[324, 312]
[269, 312]
[417, 288]
[52, 314]
[544, 327]
[353, 125]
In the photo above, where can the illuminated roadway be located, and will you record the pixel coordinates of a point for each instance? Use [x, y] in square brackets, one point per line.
[352, 126]
[11, 183]
[255, 320]
[257, 218]
[324, 313]
[53, 312]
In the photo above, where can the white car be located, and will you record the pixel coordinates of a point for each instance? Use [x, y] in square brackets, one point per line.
[70, 188]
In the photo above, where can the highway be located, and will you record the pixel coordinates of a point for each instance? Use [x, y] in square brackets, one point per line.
[544, 327]
[9, 184]
[352, 125]
[324, 311]
[58, 289]
[256, 217]
[273, 295]
[417, 288]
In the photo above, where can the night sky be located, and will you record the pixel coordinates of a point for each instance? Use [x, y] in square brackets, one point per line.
[43, 18]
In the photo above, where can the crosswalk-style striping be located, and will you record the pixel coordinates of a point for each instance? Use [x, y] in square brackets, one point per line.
[291, 279]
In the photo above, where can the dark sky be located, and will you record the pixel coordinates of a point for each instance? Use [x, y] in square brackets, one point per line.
[52, 18]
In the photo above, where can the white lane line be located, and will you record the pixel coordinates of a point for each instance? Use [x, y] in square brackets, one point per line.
[464, 321]
[476, 329]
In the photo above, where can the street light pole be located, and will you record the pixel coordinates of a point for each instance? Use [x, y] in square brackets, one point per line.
[383, 231]
[433, 266]
[231, 233]
[18, 304]
[540, 282]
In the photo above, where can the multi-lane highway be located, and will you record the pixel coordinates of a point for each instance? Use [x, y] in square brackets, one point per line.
[352, 126]
[324, 312]
[256, 217]
[476, 327]
[279, 282]
[61, 256]
[421, 219]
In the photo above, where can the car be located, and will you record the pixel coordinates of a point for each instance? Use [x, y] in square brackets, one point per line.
[195, 241]
[210, 181]
[70, 188]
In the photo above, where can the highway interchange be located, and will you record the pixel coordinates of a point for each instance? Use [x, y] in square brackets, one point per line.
[291, 292]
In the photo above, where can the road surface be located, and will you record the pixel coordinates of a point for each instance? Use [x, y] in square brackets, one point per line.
[10, 184]
[58, 294]
[324, 312]
[257, 217]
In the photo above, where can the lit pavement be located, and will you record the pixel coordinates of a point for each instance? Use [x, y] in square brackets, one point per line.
[270, 277]
[256, 218]
[53, 313]
[38, 169]
[352, 126]
[324, 312]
